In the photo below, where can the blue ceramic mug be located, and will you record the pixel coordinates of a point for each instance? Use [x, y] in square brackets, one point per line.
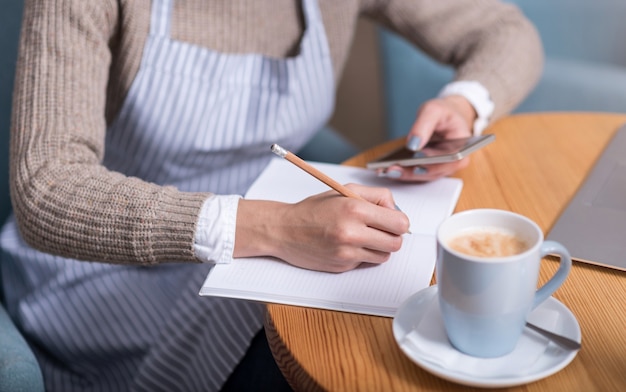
[486, 298]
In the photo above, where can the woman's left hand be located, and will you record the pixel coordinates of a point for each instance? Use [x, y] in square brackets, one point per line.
[451, 117]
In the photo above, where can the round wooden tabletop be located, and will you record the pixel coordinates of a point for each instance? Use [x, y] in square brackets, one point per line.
[533, 168]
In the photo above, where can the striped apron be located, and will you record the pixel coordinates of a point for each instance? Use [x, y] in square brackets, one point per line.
[201, 121]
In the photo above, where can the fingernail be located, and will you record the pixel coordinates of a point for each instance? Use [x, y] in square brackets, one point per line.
[420, 170]
[394, 173]
[414, 143]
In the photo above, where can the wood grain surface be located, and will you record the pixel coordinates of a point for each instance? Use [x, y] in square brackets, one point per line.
[533, 168]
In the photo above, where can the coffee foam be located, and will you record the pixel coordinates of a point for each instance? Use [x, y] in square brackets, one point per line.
[487, 242]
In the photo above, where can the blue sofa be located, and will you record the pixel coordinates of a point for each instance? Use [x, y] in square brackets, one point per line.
[585, 67]
[19, 370]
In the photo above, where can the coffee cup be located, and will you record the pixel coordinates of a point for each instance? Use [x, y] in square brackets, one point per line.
[487, 274]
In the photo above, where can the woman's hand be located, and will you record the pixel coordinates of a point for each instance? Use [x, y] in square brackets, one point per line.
[451, 117]
[325, 232]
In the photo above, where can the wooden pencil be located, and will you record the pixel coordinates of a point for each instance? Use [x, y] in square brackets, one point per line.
[296, 160]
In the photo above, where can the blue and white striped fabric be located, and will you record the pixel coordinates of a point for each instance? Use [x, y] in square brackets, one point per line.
[218, 114]
[201, 121]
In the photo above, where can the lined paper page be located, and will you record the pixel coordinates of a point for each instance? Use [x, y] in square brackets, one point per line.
[369, 289]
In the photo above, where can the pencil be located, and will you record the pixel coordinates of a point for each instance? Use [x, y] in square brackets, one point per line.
[296, 160]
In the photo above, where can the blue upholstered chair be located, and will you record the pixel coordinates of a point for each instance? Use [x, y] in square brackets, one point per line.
[19, 370]
[585, 67]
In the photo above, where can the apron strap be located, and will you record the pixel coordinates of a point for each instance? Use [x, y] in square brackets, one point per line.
[160, 18]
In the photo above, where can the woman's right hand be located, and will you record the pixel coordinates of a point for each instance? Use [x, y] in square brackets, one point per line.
[324, 232]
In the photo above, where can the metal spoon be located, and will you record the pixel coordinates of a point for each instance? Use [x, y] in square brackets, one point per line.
[562, 341]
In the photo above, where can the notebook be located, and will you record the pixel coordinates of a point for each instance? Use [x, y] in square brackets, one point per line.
[593, 225]
[369, 289]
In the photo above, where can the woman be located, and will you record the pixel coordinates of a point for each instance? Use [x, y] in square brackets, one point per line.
[137, 126]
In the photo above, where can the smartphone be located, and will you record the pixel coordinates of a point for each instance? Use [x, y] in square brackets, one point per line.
[435, 151]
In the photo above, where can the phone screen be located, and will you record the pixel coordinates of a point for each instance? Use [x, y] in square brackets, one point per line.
[435, 151]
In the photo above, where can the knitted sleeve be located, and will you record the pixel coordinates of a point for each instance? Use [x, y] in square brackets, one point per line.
[489, 41]
[65, 201]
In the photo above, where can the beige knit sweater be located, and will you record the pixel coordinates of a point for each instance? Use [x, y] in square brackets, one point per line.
[78, 59]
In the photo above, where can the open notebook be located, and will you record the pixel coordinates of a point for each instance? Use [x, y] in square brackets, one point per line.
[376, 290]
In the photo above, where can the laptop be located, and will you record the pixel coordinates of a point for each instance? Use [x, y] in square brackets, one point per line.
[593, 225]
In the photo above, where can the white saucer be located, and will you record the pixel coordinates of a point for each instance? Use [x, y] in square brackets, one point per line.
[548, 360]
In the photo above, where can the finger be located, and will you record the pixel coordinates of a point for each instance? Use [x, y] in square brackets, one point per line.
[385, 238]
[382, 212]
[442, 170]
[425, 172]
[428, 118]
[375, 195]
[390, 223]
[363, 255]
[378, 246]
[373, 256]
[367, 245]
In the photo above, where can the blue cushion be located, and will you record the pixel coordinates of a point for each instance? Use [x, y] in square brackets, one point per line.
[328, 146]
[568, 85]
[10, 20]
[19, 370]
[587, 30]
[410, 78]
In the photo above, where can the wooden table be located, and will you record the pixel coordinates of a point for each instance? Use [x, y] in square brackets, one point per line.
[534, 167]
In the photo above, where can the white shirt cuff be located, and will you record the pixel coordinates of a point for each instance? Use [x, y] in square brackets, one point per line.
[478, 97]
[215, 232]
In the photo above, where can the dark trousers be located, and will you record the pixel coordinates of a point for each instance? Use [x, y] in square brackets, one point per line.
[257, 371]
